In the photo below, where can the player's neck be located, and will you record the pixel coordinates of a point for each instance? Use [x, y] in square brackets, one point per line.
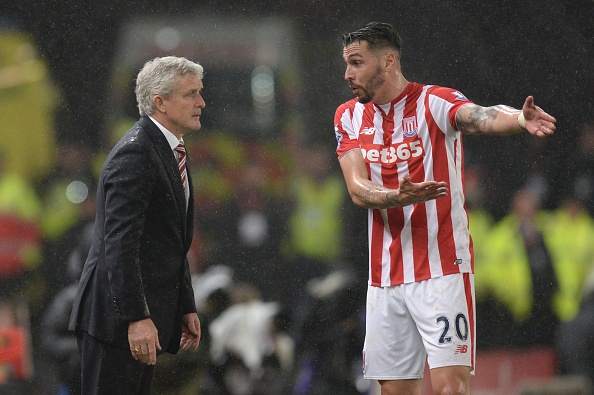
[393, 89]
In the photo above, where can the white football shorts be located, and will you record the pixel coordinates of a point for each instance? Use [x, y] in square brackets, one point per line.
[408, 324]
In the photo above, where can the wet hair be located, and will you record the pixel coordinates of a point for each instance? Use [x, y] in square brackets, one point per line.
[377, 35]
[159, 76]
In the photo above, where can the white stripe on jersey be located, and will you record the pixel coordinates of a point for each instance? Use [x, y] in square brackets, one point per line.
[353, 132]
[406, 240]
[386, 261]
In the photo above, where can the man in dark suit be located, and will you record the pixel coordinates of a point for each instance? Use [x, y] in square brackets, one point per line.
[135, 298]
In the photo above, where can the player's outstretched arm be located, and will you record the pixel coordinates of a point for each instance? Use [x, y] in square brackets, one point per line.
[503, 120]
[368, 194]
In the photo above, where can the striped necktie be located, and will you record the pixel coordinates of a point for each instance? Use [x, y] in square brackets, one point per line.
[181, 164]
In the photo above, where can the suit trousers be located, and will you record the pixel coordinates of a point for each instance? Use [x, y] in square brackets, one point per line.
[110, 370]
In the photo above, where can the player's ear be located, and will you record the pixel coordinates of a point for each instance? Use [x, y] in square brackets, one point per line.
[389, 60]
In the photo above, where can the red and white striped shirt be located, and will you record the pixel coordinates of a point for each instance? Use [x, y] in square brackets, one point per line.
[415, 134]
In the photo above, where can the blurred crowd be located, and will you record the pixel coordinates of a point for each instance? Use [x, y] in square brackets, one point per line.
[280, 268]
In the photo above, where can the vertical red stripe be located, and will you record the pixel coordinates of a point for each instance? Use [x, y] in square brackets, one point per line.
[376, 250]
[470, 305]
[420, 237]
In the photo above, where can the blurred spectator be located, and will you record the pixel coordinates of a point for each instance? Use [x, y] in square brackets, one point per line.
[68, 202]
[59, 344]
[250, 352]
[522, 277]
[20, 238]
[28, 99]
[318, 196]
[480, 222]
[61, 363]
[315, 238]
[205, 284]
[575, 338]
[16, 367]
[64, 188]
[569, 235]
[17, 196]
[60, 355]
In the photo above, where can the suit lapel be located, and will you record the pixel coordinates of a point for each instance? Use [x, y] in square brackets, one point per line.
[168, 159]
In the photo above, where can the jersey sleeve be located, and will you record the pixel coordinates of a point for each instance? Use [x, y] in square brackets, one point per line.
[346, 136]
[451, 101]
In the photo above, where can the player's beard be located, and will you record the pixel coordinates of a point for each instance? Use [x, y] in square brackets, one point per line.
[368, 90]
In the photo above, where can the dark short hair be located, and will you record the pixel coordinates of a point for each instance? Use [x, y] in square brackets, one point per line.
[376, 34]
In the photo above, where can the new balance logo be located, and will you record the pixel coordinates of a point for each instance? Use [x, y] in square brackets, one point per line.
[461, 349]
[368, 131]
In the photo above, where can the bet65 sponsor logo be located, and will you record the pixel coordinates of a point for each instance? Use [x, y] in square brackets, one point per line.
[396, 153]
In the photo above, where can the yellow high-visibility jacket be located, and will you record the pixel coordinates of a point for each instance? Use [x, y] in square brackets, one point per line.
[570, 240]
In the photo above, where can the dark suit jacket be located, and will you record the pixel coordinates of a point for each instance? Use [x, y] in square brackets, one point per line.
[137, 266]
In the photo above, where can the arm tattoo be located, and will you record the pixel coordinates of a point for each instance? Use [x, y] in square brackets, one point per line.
[348, 153]
[478, 117]
[372, 199]
[372, 195]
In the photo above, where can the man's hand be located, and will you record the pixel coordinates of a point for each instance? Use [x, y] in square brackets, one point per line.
[190, 332]
[144, 341]
[538, 122]
[412, 193]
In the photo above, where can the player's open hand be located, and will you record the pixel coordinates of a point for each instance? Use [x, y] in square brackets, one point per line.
[412, 192]
[538, 122]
